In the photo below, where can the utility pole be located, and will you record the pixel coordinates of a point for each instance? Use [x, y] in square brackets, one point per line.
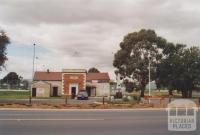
[30, 96]
[33, 61]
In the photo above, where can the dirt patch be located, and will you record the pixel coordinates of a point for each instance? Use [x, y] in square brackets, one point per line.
[81, 106]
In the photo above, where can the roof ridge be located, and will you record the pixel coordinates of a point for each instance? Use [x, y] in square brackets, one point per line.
[49, 71]
[99, 73]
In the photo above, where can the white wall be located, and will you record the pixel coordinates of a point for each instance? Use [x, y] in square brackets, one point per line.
[102, 89]
[56, 84]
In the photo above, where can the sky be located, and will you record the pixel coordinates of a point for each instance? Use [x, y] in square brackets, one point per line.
[87, 33]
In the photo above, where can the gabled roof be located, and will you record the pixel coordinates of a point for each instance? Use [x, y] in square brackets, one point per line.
[47, 76]
[57, 76]
[97, 76]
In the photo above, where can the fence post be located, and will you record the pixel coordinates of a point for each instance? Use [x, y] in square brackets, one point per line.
[66, 100]
[170, 99]
[199, 100]
[103, 100]
[30, 100]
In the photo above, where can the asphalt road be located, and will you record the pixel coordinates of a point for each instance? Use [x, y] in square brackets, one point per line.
[86, 122]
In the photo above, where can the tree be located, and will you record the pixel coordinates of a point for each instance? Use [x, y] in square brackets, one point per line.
[4, 41]
[12, 79]
[130, 86]
[93, 70]
[25, 84]
[180, 70]
[136, 51]
[169, 69]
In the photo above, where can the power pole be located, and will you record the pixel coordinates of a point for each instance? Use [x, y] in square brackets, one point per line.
[30, 97]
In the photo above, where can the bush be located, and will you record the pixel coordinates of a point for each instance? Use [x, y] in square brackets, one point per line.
[125, 99]
[118, 95]
[136, 98]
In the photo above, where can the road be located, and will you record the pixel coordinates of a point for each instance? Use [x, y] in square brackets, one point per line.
[85, 122]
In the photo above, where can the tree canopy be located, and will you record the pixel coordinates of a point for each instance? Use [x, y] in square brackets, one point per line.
[4, 41]
[172, 66]
[93, 70]
[180, 70]
[12, 79]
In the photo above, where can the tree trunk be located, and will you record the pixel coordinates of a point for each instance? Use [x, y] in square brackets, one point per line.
[184, 95]
[170, 92]
[142, 91]
[190, 93]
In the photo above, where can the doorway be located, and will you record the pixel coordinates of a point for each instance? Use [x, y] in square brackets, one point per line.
[73, 90]
[55, 92]
[88, 89]
[33, 92]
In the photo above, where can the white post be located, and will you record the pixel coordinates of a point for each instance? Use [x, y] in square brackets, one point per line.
[149, 78]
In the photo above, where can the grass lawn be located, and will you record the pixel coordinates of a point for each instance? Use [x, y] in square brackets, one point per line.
[14, 94]
[10, 94]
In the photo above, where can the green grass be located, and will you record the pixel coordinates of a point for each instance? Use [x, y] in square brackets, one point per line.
[9, 94]
[14, 94]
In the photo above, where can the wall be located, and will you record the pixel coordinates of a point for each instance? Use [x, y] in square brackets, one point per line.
[42, 89]
[56, 84]
[70, 78]
[102, 89]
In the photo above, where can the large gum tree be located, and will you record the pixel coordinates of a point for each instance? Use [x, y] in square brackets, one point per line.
[137, 50]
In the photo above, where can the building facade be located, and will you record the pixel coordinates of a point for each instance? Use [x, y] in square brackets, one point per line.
[47, 84]
[98, 84]
[73, 80]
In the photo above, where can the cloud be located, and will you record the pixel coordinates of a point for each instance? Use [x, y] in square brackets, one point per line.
[86, 33]
[19, 65]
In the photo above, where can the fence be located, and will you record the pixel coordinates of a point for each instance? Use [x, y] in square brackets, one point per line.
[16, 96]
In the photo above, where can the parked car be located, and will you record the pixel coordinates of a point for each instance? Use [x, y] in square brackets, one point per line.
[82, 95]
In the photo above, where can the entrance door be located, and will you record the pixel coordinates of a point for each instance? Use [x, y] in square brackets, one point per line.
[73, 92]
[55, 91]
[33, 92]
[88, 89]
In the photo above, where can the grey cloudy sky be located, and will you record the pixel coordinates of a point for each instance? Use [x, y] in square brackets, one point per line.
[86, 33]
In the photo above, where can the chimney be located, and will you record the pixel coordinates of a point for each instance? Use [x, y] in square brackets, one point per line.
[48, 71]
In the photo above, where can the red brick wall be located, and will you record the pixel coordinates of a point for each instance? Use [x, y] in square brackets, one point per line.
[73, 78]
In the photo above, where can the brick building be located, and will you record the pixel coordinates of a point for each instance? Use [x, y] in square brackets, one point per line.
[70, 82]
[73, 80]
